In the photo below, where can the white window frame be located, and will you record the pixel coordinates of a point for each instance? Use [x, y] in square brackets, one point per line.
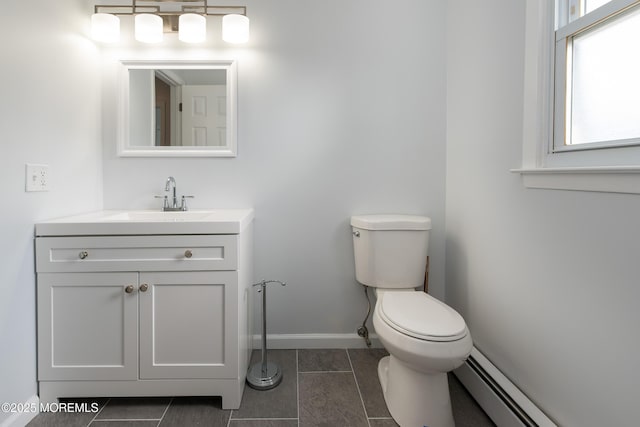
[611, 169]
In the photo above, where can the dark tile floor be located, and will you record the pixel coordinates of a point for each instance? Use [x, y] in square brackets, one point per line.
[330, 388]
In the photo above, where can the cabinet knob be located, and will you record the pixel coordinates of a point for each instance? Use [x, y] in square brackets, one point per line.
[144, 287]
[188, 253]
[83, 254]
[128, 289]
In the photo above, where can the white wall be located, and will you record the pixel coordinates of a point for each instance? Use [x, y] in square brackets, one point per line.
[49, 114]
[341, 112]
[547, 280]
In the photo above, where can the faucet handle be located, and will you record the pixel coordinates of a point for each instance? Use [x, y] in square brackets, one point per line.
[184, 206]
[166, 201]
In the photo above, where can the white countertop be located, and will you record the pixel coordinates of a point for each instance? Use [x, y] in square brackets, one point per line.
[132, 222]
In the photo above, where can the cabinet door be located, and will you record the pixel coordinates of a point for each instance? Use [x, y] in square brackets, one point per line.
[189, 325]
[87, 326]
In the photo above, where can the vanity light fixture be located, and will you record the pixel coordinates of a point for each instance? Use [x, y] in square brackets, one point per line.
[187, 17]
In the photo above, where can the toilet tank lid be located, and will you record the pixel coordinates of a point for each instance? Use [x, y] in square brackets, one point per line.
[391, 222]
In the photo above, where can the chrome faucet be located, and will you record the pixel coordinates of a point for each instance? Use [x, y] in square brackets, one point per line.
[173, 206]
[171, 181]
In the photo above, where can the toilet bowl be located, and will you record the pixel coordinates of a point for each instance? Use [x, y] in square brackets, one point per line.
[425, 338]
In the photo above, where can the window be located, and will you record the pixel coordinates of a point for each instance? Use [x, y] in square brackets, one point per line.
[597, 89]
[581, 115]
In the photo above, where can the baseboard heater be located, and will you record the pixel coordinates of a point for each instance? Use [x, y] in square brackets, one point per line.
[505, 404]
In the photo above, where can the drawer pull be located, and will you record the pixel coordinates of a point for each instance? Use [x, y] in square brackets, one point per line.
[144, 287]
[83, 254]
[188, 253]
[128, 289]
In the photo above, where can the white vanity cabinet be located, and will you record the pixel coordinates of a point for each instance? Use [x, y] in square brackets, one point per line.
[144, 315]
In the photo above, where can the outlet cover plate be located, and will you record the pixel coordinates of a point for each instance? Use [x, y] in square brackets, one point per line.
[36, 177]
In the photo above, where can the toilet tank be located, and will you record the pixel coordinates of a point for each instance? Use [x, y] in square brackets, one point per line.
[390, 250]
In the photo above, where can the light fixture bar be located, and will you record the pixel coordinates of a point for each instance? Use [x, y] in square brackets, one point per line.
[125, 9]
[203, 9]
[226, 10]
[170, 1]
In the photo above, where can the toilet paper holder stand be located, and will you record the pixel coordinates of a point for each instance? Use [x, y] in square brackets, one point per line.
[264, 375]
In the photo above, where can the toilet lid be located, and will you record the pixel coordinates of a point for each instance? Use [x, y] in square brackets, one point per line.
[421, 316]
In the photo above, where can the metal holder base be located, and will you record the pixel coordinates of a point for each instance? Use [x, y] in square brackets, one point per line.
[264, 379]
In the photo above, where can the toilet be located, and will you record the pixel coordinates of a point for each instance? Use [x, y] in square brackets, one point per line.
[424, 337]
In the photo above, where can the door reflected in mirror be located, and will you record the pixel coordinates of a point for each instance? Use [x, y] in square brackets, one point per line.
[178, 109]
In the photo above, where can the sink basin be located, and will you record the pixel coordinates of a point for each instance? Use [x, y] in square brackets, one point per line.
[212, 221]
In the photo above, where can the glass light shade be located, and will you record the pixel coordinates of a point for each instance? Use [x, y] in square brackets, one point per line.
[105, 27]
[192, 28]
[148, 28]
[235, 28]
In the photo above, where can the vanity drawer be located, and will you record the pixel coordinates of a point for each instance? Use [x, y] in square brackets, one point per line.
[136, 253]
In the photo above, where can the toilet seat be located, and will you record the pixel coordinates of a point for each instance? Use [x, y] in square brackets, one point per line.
[421, 316]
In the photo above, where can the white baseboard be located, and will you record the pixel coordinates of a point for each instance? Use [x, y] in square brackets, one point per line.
[22, 418]
[299, 341]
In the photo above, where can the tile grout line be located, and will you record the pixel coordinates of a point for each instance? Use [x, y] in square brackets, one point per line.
[297, 388]
[355, 380]
[231, 412]
[102, 420]
[165, 412]
[98, 413]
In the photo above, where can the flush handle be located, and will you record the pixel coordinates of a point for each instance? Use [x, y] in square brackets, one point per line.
[356, 233]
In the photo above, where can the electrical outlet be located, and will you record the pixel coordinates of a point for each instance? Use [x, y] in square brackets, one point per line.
[37, 177]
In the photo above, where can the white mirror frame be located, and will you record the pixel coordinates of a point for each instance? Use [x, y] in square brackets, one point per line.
[125, 149]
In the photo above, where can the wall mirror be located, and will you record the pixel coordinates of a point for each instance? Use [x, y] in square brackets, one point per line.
[177, 109]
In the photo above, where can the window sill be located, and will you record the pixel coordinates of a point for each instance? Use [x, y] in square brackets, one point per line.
[621, 179]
